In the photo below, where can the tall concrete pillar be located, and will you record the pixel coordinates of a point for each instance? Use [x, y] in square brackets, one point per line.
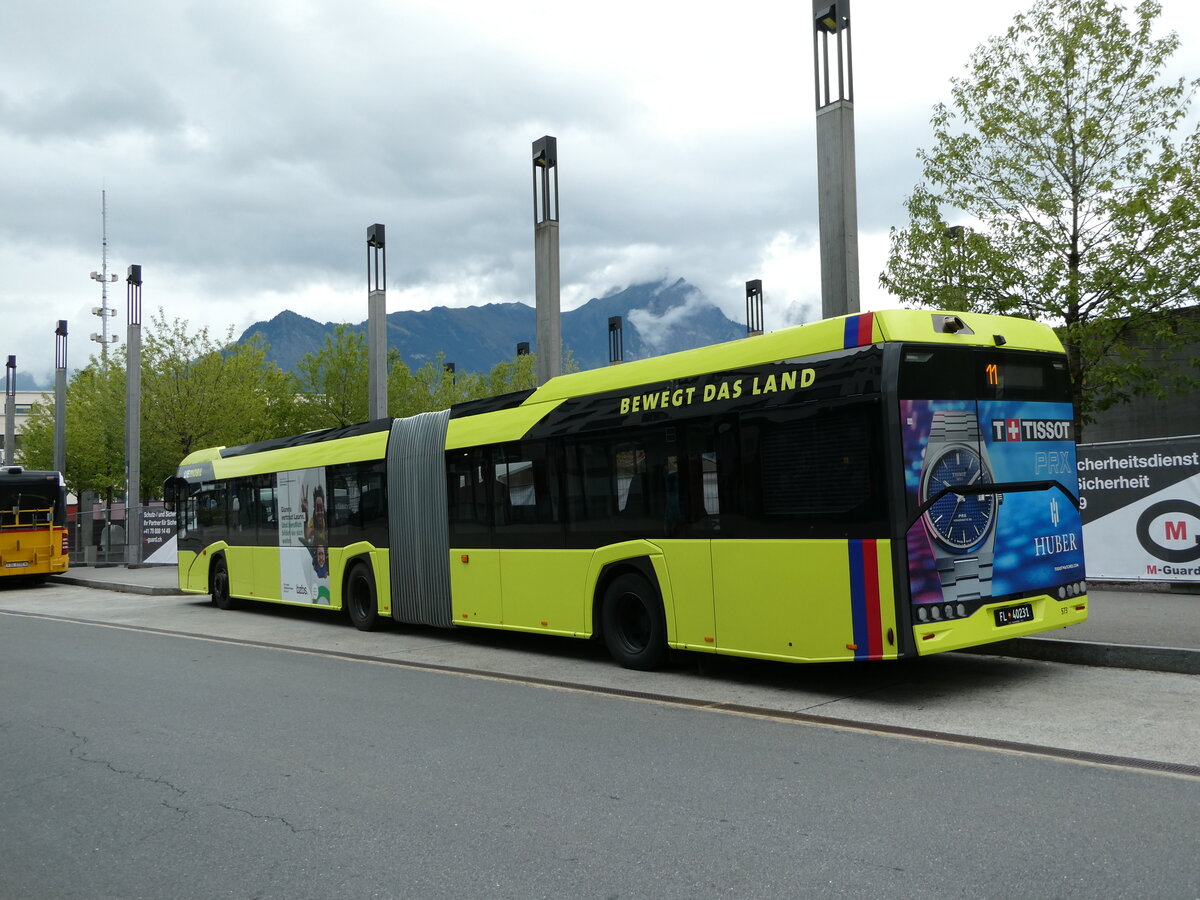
[545, 258]
[10, 410]
[377, 388]
[60, 396]
[133, 418]
[836, 189]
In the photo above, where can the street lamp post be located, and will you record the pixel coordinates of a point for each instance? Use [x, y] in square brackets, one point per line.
[60, 396]
[376, 323]
[545, 258]
[133, 418]
[616, 340]
[754, 307]
[836, 189]
[10, 409]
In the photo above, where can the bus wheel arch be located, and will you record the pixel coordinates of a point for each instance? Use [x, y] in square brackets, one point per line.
[359, 594]
[218, 583]
[629, 615]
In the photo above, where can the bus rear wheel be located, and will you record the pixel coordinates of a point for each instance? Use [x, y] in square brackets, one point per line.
[633, 624]
[220, 586]
[361, 603]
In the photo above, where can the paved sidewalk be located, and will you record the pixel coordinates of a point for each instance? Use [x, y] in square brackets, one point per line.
[1128, 626]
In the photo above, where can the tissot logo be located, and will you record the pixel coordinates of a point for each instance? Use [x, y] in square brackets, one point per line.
[1032, 430]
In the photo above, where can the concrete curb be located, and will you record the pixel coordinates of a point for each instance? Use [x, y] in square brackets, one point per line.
[121, 587]
[1083, 653]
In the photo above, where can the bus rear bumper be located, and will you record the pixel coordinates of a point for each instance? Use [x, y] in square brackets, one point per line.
[981, 627]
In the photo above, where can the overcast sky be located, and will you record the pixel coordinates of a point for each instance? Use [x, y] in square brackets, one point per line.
[246, 146]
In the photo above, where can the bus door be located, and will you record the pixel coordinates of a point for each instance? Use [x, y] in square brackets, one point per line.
[992, 492]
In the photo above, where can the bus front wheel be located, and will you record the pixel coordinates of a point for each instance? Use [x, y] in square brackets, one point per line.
[633, 624]
[361, 604]
[220, 586]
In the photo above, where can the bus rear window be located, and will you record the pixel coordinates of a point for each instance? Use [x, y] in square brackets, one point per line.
[984, 373]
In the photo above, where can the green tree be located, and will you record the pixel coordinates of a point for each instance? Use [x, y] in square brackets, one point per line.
[95, 425]
[334, 381]
[199, 392]
[335, 378]
[196, 392]
[435, 388]
[1063, 144]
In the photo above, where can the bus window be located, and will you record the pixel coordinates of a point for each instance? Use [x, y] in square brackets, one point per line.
[467, 477]
[814, 476]
[242, 515]
[525, 486]
[630, 467]
[265, 509]
[211, 512]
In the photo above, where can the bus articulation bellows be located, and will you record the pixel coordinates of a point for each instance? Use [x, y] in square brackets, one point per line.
[33, 532]
[872, 487]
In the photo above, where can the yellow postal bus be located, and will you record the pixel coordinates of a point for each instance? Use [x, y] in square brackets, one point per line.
[871, 487]
[33, 532]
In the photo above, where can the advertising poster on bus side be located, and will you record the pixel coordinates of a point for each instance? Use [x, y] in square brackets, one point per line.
[303, 536]
[1141, 514]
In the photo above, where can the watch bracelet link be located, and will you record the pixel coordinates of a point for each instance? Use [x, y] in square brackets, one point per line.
[965, 578]
[954, 427]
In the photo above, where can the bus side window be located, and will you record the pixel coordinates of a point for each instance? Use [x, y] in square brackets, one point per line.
[629, 464]
[590, 484]
[212, 512]
[268, 532]
[525, 482]
[816, 475]
[467, 477]
[372, 500]
[241, 509]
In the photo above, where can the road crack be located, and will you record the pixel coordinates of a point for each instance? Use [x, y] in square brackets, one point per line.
[266, 818]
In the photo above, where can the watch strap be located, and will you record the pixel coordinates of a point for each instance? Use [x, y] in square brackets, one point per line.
[954, 427]
[965, 578]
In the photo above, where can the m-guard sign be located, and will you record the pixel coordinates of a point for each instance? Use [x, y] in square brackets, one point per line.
[1141, 509]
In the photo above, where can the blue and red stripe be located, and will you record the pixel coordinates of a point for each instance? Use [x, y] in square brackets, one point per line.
[864, 599]
[858, 330]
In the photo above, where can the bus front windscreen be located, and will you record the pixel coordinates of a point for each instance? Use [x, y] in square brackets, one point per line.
[973, 418]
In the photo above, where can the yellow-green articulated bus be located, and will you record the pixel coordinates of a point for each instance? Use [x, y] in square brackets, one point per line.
[876, 486]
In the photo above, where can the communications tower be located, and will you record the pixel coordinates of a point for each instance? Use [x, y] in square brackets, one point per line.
[103, 310]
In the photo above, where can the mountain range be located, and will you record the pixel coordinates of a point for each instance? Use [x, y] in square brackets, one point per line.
[657, 318]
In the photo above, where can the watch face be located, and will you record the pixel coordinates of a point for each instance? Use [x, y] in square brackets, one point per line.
[958, 521]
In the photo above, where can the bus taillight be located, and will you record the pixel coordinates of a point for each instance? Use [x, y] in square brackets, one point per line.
[65, 544]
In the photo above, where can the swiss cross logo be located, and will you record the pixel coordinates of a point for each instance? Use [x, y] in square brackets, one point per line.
[1006, 429]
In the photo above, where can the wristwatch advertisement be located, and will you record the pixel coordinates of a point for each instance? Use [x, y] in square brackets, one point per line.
[972, 546]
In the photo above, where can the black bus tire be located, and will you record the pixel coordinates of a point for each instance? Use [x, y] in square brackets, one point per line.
[633, 624]
[220, 585]
[360, 601]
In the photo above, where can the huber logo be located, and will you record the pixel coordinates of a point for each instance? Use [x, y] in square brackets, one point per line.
[1053, 544]
[1032, 430]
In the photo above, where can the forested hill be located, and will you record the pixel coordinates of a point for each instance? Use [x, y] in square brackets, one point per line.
[658, 318]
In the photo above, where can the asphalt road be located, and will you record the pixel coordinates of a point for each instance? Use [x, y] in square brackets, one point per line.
[135, 763]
